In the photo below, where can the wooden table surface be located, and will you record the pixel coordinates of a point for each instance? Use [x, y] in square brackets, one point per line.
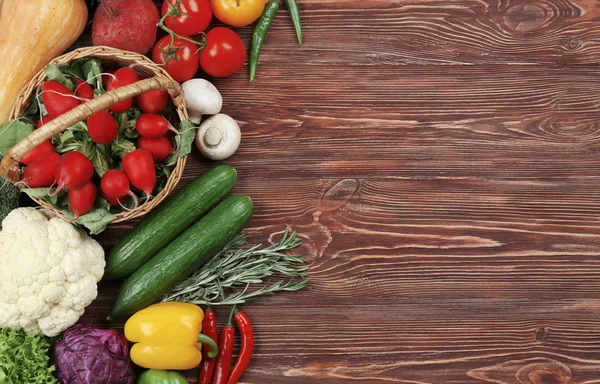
[440, 159]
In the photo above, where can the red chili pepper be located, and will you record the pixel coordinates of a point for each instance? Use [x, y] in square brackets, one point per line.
[209, 328]
[246, 349]
[225, 355]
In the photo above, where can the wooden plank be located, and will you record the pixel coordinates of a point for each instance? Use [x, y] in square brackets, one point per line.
[440, 161]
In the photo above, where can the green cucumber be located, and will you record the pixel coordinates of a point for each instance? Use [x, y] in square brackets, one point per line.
[183, 256]
[168, 221]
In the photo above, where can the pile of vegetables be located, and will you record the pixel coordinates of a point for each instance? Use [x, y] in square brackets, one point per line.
[186, 47]
[117, 159]
[187, 252]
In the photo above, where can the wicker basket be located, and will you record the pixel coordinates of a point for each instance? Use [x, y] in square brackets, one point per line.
[158, 79]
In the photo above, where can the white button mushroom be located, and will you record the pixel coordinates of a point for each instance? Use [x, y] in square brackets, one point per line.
[218, 137]
[201, 98]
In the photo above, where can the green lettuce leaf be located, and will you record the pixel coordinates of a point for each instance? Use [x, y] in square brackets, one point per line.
[54, 73]
[97, 220]
[25, 358]
[92, 73]
[11, 133]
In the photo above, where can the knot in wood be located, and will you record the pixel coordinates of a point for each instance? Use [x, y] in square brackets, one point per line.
[573, 44]
[541, 334]
[339, 195]
[526, 17]
[549, 372]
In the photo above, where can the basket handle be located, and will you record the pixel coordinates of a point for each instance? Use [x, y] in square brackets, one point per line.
[9, 165]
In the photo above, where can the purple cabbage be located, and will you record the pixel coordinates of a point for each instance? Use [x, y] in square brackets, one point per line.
[90, 355]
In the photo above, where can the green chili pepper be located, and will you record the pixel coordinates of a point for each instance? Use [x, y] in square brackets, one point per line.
[295, 14]
[260, 33]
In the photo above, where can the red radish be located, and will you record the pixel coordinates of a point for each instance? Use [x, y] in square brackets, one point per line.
[44, 120]
[115, 185]
[40, 173]
[160, 148]
[139, 168]
[107, 75]
[123, 76]
[129, 25]
[84, 90]
[153, 101]
[73, 171]
[57, 98]
[114, 201]
[82, 199]
[153, 126]
[40, 151]
[102, 127]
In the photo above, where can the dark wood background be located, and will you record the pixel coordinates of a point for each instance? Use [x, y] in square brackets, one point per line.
[440, 159]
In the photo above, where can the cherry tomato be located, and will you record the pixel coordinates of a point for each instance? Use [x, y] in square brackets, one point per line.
[123, 76]
[224, 53]
[195, 18]
[238, 13]
[183, 65]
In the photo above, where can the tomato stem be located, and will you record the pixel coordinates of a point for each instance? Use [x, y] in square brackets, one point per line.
[174, 11]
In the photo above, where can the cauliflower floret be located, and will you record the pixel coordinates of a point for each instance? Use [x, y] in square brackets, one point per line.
[49, 272]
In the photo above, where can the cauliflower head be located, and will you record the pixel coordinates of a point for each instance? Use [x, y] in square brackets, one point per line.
[49, 272]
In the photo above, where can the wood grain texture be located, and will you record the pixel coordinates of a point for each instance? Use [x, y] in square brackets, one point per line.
[440, 159]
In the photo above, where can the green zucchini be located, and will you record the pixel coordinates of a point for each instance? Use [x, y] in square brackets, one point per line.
[183, 256]
[168, 221]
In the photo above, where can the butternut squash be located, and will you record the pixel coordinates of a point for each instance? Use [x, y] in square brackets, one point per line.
[32, 33]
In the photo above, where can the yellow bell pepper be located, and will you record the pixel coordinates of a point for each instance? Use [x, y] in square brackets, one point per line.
[168, 336]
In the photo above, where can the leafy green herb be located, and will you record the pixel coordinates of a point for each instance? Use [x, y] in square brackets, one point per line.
[25, 358]
[97, 220]
[11, 133]
[227, 278]
[43, 194]
[54, 73]
[36, 108]
[92, 73]
[187, 132]
[120, 147]
[73, 69]
[100, 155]
[126, 122]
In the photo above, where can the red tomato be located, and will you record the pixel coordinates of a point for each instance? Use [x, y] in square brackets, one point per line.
[183, 64]
[194, 18]
[224, 53]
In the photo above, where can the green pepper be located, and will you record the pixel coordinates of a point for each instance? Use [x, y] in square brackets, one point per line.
[155, 376]
[260, 33]
[295, 15]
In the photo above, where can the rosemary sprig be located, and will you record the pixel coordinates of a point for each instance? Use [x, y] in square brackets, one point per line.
[227, 278]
